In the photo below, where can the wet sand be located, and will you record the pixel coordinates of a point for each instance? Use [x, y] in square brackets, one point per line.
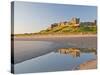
[82, 41]
[75, 41]
[88, 65]
[25, 50]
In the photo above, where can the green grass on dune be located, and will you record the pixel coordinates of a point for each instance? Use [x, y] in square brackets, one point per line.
[65, 30]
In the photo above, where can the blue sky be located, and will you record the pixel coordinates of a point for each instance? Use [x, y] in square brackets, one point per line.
[33, 17]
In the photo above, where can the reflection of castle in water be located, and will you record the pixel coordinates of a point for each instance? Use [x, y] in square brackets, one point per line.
[72, 51]
[75, 52]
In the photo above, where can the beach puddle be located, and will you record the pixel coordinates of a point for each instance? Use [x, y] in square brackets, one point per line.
[62, 59]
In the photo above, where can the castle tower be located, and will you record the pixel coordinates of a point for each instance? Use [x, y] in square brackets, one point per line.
[95, 22]
[75, 21]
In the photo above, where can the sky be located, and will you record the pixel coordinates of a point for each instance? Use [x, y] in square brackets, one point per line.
[33, 17]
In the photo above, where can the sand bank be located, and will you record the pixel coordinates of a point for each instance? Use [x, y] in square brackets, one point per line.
[83, 41]
[24, 51]
[88, 65]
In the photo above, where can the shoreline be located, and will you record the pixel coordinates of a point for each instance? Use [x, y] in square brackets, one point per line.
[82, 41]
[91, 64]
[86, 41]
[52, 36]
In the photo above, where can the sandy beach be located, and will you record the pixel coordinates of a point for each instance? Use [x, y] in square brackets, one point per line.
[82, 41]
[27, 51]
[92, 64]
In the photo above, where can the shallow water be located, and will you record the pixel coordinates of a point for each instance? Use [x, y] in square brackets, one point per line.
[24, 50]
[51, 59]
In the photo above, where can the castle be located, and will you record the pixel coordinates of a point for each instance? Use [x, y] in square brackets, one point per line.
[73, 22]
